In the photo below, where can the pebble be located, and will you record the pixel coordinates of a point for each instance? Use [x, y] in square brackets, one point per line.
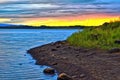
[64, 76]
[49, 71]
[82, 75]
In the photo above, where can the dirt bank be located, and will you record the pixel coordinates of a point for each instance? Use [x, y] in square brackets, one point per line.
[80, 63]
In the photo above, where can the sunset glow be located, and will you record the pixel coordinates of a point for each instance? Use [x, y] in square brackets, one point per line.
[59, 12]
[86, 20]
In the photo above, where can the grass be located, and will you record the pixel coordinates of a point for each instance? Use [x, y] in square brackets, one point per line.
[102, 37]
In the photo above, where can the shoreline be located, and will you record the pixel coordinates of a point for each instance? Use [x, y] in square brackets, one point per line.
[94, 64]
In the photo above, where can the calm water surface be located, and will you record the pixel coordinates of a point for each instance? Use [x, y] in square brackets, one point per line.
[15, 63]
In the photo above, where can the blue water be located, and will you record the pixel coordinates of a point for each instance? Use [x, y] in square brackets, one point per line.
[15, 63]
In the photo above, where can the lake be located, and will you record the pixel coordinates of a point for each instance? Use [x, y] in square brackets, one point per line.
[15, 63]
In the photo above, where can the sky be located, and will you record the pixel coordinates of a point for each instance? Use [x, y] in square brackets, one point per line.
[59, 12]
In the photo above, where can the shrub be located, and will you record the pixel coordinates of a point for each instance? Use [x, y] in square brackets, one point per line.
[102, 37]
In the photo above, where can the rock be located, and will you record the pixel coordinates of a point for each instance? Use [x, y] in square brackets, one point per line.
[114, 50]
[58, 46]
[49, 71]
[69, 47]
[37, 63]
[90, 54]
[53, 49]
[82, 75]
[117, 42]
[64, 57]
[64, 76]
[54, 63]
[74, 76]
[77, 55]
[53, 55]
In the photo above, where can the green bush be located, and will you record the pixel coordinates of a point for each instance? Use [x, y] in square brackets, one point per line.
[102, 37]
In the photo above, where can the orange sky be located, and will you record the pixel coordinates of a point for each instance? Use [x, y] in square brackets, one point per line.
[87, 20]
[59, 12]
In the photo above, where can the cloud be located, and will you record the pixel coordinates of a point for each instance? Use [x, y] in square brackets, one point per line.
[51, 8]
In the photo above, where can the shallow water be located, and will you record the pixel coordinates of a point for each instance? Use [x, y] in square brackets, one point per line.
[15, 63]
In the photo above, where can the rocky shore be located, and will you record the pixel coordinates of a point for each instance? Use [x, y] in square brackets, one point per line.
[77, 62]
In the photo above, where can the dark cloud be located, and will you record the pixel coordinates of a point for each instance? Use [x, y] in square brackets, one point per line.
[47, 8]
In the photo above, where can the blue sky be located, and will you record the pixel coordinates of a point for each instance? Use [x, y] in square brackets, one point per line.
[16, 9]
[35, 8]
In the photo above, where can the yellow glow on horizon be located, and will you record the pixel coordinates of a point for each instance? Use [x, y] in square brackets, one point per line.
[2, 20]
[67, 22]
[72, 20]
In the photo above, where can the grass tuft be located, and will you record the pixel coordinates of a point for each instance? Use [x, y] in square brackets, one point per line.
[102, 37]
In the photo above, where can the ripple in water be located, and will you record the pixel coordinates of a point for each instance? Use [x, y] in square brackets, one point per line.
[15, 63]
